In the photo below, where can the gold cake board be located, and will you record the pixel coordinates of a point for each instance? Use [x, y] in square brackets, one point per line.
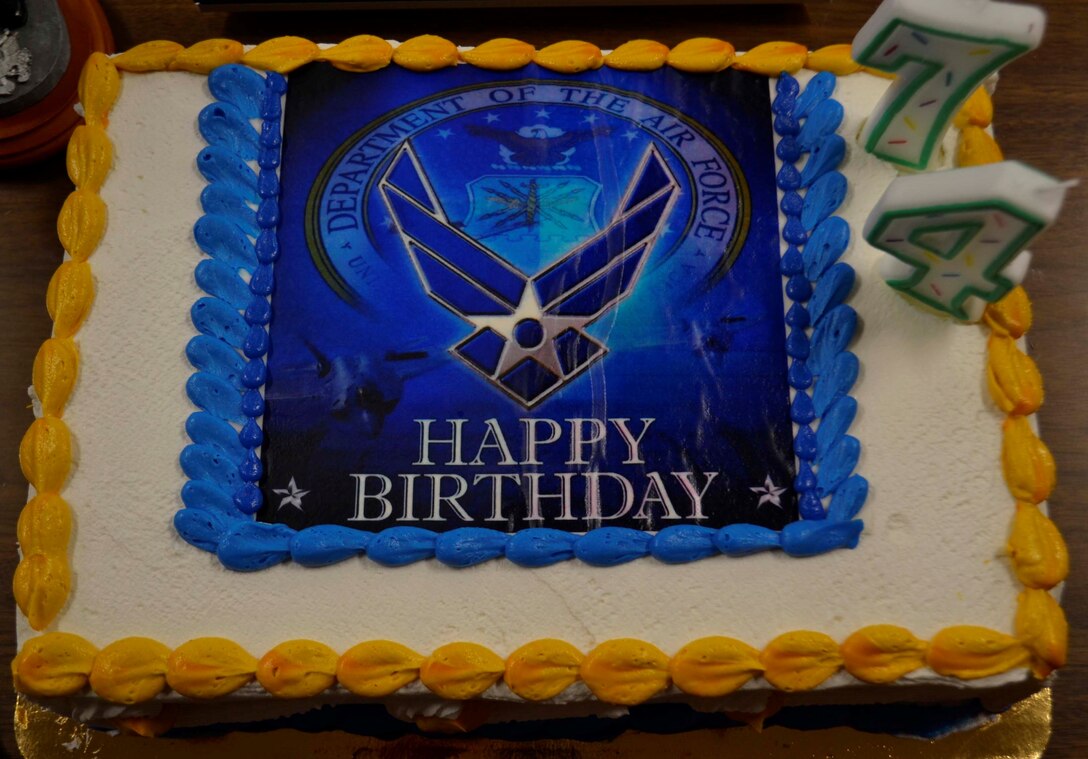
[1020, 733]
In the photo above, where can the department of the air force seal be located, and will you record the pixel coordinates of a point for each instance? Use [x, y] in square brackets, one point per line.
[530, 211]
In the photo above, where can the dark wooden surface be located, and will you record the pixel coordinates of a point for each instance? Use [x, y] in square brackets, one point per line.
[1041, 104]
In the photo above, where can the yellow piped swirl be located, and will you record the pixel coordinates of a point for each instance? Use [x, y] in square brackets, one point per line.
[461, 670]
[638, 55]
[836, 59]
[542, 669]
[43, 579]
[1026, 461]
[1042, 627]
[882, 653]
[702, 55]
[626, 671]
[501, 54]
[426, 53]
[298, 669]
[130, 670]
[714, 666]
[570, 57]
[54, 374]
[282, 54]
[207, 55]
[1013, 378]
[377, 668]
[772, 58]
[800, 660]
[54, 664]
[1039, 556]
[970, 652]
[207, 668]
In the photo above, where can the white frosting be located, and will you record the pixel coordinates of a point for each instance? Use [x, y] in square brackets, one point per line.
[936, 519]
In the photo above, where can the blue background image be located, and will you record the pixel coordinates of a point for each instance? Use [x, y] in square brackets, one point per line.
[359, 350]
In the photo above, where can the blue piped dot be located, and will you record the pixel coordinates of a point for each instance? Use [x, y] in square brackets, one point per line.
[787, 85]
[787, 126]
[797, 345]
[800, 376]
[268, 184]
[809, 506]
[797, 317]
[256, 343]
[798, 288]
[804, 444]
[250, 468]
[805, 481]
[794, 232]
[252, 403]
[268, 214]
[261, 281]
[802, 412]
[792, 204]
[792, 261]
[788, 150]
[247, 499]
[250, 435]
[268, 247]
[255, 374]
[259, 311]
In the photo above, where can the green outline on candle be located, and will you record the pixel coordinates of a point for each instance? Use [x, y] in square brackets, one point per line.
[948, 111]
[991, 273]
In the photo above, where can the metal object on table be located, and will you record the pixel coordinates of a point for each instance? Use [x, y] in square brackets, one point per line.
[34, 52]
[43, 44]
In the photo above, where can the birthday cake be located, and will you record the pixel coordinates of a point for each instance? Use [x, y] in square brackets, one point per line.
[548, 381]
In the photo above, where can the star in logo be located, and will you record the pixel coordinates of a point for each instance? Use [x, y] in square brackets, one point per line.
[491, 118]
[444, 133]
[291, 495]
[768, 493]
[630, 135]
[543, 113]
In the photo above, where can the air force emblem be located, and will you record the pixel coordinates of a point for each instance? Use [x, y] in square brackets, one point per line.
[529, 331]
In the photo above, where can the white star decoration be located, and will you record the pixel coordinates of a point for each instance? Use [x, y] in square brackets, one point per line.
[491, 118]
[768, 493]
[291, 495]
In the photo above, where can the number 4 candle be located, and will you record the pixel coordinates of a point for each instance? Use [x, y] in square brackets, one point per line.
[962, 233]
[940, 50]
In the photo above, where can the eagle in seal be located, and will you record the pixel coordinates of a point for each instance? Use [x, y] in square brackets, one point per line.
[538, 145]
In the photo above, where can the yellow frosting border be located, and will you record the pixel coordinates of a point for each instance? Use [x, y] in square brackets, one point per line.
[622, 671]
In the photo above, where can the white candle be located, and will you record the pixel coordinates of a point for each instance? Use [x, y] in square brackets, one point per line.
[955, 237]
[940, 50]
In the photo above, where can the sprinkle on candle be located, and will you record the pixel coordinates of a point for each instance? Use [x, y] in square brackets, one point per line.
[910, 123]
[927, 103]
[897, 142]
[981, 51]
[890, 50]
[920, 37]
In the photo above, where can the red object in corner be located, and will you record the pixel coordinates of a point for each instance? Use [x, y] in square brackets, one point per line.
[43, 128]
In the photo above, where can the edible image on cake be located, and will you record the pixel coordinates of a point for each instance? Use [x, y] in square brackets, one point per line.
[522, 303]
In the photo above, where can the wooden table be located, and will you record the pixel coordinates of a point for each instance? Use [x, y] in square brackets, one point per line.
[1041, 105]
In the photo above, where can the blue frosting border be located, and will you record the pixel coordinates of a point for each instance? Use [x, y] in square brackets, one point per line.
[238, 233]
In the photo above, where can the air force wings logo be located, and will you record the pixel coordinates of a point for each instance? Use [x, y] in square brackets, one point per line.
[529, 335]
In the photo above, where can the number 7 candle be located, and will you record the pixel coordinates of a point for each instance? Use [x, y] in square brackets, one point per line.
[940, 50]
